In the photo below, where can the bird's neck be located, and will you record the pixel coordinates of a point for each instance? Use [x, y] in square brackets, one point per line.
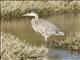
[36, 17]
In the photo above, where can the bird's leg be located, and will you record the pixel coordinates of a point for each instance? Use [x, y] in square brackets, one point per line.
[46, 40]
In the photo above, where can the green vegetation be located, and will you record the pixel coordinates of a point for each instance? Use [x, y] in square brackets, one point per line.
[46, 8]
[12, 48]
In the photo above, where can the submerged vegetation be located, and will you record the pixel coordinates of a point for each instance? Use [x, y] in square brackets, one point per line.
[46, 8]
[12, 48]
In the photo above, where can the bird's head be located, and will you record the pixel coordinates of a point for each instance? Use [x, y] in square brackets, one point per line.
[30, 14]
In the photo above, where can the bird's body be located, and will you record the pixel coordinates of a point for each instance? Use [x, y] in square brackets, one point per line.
[45, 28]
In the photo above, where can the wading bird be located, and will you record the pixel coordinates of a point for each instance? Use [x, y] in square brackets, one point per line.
[45, 28]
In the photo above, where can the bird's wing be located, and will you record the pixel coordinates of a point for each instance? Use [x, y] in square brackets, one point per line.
[45, 26]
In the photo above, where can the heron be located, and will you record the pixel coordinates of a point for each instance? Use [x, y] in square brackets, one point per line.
[44, 27]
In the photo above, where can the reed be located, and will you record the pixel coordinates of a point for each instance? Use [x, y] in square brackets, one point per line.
[46, 8]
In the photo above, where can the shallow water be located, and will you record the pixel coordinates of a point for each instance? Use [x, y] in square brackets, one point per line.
[21, 27]
[58, 54]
